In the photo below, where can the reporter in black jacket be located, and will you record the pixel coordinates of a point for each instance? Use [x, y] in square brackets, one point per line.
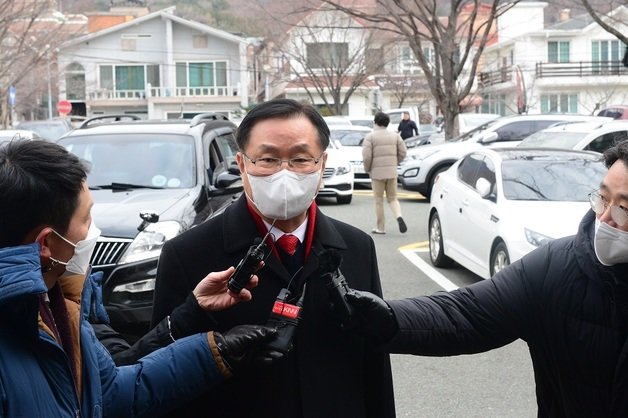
[568, 300]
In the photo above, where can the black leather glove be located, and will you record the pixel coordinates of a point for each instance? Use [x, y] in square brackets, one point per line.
[376, 319]
[243, 346]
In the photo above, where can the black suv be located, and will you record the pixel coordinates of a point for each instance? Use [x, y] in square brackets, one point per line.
[150, 180]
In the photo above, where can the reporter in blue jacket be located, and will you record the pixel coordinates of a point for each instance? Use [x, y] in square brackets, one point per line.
[51, 364]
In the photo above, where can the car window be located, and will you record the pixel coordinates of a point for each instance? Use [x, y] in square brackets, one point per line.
[348, 138]
[228, 148]
[468, 169]
[604, 142]
[550, 178]
[167, 161]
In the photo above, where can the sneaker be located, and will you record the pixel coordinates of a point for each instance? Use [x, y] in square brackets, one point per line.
[377, 231]
[402, 225]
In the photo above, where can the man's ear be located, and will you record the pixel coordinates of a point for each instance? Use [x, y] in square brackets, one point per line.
[42, 239]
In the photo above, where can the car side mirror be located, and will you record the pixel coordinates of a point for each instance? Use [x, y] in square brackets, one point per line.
[490, 137]
[483, 186]
[226, 179]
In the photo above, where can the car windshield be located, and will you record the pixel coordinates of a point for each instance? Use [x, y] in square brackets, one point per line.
[348, 138]
[136, 160]
[551, 178]
[553, 139]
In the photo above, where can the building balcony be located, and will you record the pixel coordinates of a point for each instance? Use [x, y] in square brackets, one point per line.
[164, 92]
[580, 69]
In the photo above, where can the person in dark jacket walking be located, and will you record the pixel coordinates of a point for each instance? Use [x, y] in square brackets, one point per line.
[327, 373]
[568, 300]
[51, 364]
[407, 127]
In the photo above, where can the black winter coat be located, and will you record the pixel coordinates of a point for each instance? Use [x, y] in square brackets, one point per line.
[330, 373]
[571, 310]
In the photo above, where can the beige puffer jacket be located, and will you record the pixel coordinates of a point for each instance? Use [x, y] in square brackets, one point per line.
[382, 151]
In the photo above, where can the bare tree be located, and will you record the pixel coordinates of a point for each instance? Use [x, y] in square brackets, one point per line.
[29, 35]
[608, 22]
[330, 56]
[456, 34]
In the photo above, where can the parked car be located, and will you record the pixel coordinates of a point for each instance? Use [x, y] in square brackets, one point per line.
[150, 180]
[470, 121]
[422, 164]
[590, 136]
[338, 175]
[368, 122]
[350, 139]
[495, 205]
[50, 129]
[615, 112]
[337, 120]
[7, 135]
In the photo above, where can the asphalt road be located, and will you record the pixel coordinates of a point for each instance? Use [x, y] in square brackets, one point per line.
[499, 383]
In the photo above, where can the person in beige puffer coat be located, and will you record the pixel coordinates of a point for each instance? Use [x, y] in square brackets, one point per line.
[382, 151]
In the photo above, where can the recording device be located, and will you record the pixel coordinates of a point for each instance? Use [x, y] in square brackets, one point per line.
[337, 287]
[247, 266]
[285, 318]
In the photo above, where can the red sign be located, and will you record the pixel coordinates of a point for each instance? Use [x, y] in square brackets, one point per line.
[64, 107]
[285, 309]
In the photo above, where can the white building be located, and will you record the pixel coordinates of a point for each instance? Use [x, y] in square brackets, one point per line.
[572, 66]
[155, 66]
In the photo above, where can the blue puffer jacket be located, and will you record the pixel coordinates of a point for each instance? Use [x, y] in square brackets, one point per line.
[35, 375]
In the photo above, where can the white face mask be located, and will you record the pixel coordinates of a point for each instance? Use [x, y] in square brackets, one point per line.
[610, 244]
[79, 262]
[285, 194]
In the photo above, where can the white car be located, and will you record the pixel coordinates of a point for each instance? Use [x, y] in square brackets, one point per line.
[350, 139]
[495, 205]
[591, 136]
[470, 121]
[338, 175]
[7, 135]
[422, 164]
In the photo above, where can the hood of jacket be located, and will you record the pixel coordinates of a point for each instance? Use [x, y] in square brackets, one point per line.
[20, 272]
[616, 275]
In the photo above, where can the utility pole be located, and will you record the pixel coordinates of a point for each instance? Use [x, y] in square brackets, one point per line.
[49, 82]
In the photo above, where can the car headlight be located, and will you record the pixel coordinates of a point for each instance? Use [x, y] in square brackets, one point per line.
[535, 238]
[148, 243]
[343, 169]
[136, 287]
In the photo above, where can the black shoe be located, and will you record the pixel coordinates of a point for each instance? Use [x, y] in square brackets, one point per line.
[402, 225]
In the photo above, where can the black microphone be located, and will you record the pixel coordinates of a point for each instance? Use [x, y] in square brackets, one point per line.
[329, 265]
[247, 266]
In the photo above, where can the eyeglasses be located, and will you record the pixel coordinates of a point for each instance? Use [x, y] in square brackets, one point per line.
[599, 204]
[270, 165]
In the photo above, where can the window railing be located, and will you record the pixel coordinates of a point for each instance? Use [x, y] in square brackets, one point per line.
[215, 91]
[563, 69]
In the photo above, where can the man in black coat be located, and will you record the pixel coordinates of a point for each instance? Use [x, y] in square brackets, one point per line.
[329, 372]
[568, 300]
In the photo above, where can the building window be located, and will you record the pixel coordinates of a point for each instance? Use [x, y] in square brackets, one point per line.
[128, 77]
[327, 55]
[201, 74]
[559, 103]
[493, 103]
[75, 82]
[557, 51]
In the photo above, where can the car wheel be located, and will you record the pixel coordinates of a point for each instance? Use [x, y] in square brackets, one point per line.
[430, 183]
[344, 200]
[499, 258]
[437, 253]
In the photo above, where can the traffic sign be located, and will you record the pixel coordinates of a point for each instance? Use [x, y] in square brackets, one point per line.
[64, 107]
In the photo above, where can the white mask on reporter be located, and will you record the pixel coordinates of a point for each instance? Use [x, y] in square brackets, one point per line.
[285, 194]
[79, 262]
[610, 244]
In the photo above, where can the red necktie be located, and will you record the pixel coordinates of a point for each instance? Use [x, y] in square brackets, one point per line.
[288, 243]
